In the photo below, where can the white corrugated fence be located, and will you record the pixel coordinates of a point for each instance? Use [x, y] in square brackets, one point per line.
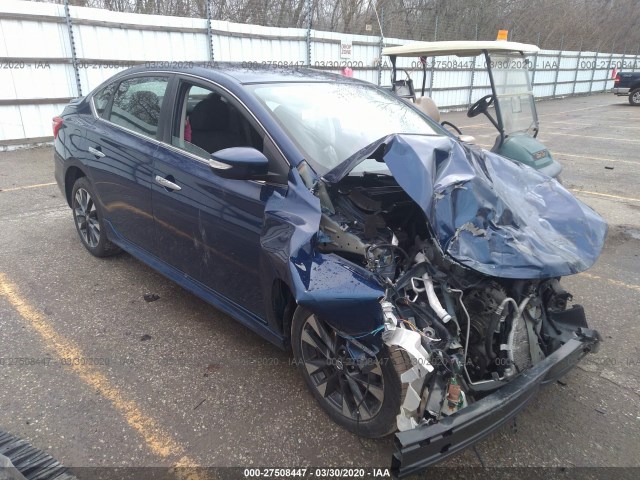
[49, 55]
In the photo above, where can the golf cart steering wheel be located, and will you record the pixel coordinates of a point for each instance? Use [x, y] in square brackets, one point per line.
[481, 106]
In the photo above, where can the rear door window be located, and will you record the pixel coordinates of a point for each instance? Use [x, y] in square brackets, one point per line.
[102, 98]
[137, 102]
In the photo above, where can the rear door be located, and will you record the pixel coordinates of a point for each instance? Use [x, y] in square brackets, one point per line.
[209, 227]
[122, 144]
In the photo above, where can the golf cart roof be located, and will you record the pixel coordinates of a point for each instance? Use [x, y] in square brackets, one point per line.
[461, 48]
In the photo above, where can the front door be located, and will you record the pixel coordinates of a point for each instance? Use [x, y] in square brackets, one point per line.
[209, 227]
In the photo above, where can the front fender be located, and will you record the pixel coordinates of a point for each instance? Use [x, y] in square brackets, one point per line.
[341, 293]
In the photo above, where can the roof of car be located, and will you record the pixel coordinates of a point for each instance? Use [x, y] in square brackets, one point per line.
[244, 72]
[461, 48]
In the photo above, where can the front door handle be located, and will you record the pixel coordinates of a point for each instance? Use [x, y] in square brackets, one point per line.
[167, 183]
[96, 152]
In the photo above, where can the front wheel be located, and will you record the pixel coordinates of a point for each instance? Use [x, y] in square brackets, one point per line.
[634, 97]
[360, 392]
[89, 221]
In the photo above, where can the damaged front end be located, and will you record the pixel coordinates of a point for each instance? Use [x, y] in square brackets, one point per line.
[469, 248]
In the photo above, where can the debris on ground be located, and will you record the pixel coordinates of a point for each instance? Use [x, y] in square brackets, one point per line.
[151, 297]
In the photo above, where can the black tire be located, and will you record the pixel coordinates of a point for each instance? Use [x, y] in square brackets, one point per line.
[29, 461]
[88, 218]
[634, 97]
[373, 420]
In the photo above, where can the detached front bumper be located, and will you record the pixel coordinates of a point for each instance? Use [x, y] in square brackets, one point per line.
[425, 445]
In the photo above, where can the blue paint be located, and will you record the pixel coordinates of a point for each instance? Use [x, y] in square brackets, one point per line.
[492, 214]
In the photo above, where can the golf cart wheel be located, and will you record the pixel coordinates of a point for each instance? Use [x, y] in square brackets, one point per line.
[634, 97]
[362, 393]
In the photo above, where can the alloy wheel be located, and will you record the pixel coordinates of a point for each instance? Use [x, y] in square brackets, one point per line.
[347, 378]
[86, 217]
[636, 97]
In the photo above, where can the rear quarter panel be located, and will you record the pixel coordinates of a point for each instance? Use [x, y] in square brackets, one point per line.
[70, 145]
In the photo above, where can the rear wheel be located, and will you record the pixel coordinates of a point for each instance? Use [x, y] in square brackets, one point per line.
[634, 97]
[360, 392]
[88, 218]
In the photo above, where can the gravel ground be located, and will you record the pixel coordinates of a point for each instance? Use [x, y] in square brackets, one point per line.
[175, 381]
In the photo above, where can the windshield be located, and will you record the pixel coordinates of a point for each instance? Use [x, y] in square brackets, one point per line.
[330, 122]
[513, 91]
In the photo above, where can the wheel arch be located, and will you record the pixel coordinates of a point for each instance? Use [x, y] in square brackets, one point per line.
[283, 306]
[72, 174]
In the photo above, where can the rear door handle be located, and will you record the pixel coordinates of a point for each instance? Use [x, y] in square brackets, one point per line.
[167, 183]
[96, 152]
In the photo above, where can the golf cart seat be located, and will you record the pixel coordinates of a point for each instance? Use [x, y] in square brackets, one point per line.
[428, 106]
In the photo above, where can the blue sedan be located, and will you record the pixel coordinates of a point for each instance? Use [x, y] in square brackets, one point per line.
[415, 278]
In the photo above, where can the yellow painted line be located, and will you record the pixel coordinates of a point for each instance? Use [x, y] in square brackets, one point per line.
[617, 283]
[13, 189]
[598, 194]
[609, 124]
[560, 113]
[602, 159]
[540, 115]
[591, 137]
[574, 110]
[562, 154]
[159, 441]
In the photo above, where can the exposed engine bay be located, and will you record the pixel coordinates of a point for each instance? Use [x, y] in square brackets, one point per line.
[467, 333]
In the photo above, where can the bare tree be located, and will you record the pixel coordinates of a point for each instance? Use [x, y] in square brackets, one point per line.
[606, 25]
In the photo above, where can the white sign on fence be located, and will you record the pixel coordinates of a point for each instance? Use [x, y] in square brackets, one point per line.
[345, 50]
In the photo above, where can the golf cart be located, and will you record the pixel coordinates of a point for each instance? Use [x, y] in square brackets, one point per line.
[514, 114]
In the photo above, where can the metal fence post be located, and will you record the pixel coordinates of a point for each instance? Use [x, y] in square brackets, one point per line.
[624, 54]
[593, 72]
[381, 47]
[473, 72]
[535, 65]
[635, 60]
[308, 38]
[608, 75]
[575, 78]
[433, 61]
[74, 57]
[209, 32]
[555, 82]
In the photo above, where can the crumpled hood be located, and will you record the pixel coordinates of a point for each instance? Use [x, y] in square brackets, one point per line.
[492, 214]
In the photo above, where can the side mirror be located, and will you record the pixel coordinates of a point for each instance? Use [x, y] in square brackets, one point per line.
[239, 163]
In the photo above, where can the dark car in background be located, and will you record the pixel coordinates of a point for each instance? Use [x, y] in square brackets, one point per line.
[415, 278]
[628, 84]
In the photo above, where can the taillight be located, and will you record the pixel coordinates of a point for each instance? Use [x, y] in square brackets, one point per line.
[617, 79]
[57, 124]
